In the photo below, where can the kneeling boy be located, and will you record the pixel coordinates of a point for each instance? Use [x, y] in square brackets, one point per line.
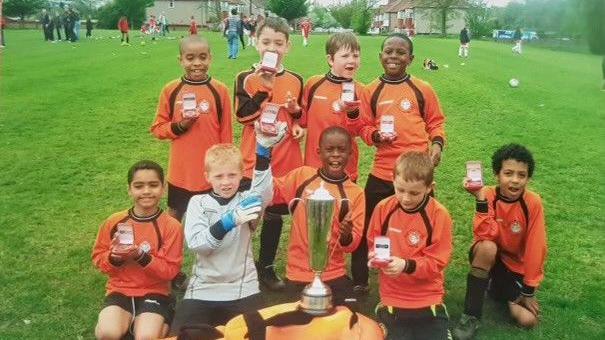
[510, 242]
[334, 152]
[141, 250]
[420, 233]
[218, 229]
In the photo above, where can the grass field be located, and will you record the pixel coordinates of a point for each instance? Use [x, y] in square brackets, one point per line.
[74, 117]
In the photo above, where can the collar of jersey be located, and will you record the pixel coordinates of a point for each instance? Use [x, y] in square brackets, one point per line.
[420, 206]
[279, 72]
[336, 79]
[221, 200]
[505, 199]
[144, 219]
[331, 180]
[396, 81]
[194, 82]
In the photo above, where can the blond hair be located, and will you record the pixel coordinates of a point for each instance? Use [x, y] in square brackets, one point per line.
[414, 166]
[223, 154]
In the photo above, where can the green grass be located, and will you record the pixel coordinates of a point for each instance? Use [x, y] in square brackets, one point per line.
[74, 117]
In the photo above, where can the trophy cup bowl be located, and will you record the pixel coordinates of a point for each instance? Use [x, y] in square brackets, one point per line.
[319, 207]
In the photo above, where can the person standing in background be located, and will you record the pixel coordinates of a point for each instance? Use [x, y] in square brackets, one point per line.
[464, 43]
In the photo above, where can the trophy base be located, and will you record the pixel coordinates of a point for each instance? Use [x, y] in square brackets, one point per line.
[316, 298]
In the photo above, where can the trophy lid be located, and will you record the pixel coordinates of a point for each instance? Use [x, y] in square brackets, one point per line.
[321, 194]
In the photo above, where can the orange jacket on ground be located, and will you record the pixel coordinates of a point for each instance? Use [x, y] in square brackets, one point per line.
[518, 228]
[320, 92]
[188, 150]
[160, 236]
[419, 121]
[301, 183]
[286, 321]
[423, 238]
[250, 98]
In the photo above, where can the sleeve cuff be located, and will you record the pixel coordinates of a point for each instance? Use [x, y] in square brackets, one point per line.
[482, 207]
[262, 161]
[345, 241]
[115, 262]
[410, 266]
[353, 114]
[144, 259]
[439, 140]
[528, 290]
[177, 129]
[296, 115]
[217, 230]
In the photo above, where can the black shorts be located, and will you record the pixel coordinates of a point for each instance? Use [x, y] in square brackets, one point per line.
[150, 303]
[418, 323]
[504, 284]
[178, 198]
[191, 312]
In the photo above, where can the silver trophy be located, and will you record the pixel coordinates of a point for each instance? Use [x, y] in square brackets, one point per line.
[319, 206]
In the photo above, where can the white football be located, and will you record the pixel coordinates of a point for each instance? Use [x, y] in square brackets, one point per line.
[513, 82]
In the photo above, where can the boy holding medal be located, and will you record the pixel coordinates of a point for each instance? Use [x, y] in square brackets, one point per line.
[404, 115]
[418, 232]
[269, 93]
[194, 113]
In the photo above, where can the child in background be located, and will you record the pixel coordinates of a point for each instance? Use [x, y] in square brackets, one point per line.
[420, 233]
[141, 250]
[193, 26]
[509, 251]
[255, 91]
[124, 28]
[194, 113]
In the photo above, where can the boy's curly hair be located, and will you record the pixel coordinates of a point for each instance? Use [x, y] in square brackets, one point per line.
[513, 151]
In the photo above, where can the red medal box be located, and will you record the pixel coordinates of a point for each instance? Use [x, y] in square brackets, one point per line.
[474, 173]
[269, 62]
[268, 119]
[189, 106]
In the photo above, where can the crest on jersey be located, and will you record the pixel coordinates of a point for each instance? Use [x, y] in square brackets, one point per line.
[145, 247]
[515, 227]
[406, 104]
[204, 106]
[414, 238]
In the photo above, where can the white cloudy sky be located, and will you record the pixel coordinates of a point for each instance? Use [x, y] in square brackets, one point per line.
[500, 3]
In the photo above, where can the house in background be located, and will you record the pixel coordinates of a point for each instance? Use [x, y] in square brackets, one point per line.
[179, 12]
[416, 17]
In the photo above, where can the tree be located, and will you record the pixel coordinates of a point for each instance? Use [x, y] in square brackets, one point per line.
[134, 10]
[321, 17]
[22, 8]
[479, 19]
[364, 13]
[445, 11]
[343, 13]
[289, 9]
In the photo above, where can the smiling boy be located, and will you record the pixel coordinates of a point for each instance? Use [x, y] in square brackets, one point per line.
[140, 267]
[194, 113]
[417, 124]
[255, 90]
[510, 243]
[323, 105]
[334, 151]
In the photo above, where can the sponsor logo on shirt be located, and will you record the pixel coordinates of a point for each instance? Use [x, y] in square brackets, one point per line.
[145, 247]
[515, 227]
[406, 105]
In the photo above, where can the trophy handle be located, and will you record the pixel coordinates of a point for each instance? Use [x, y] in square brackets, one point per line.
[292, 203]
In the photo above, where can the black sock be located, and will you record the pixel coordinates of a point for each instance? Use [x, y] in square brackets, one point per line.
[269, 239]
[475, 291]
